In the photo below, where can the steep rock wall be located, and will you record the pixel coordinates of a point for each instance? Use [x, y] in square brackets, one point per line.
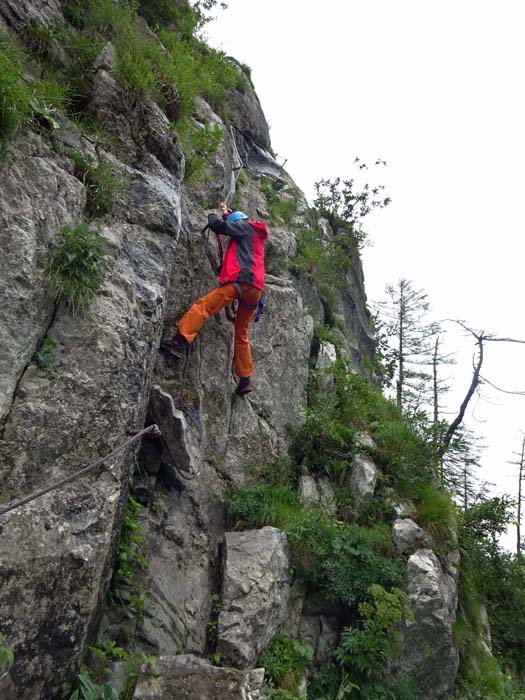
[57, 553]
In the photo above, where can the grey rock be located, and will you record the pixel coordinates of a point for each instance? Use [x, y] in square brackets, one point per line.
[247, 114]
[366, 442]
[405, 534]
[321, 633]
[485, 623]
[217, 180]
[363, 478]
[16, 13]
[107, 59]
[281, 246]
[182, 553]
[57, 425]
[428, 650]
[182, 436]
[325, 359]
[328, 637]
[154, 202]
[37, 197]
[186, 677]
[295, 608]
[255, 594]
[318, 493]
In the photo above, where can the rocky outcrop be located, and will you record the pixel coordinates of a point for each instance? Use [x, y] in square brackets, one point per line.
[406, 534]
[318, 493]
[255, 594]
[429, 654]
[186, 677]
[57, 553]
[363, 479]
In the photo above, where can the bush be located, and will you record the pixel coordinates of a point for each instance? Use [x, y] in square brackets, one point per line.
[282, 204]
[341, 559]
[359, 664]
[74, 272]
[285, 662]
[15, 93]
[89, 690]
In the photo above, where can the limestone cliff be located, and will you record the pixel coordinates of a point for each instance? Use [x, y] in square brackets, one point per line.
[57, 553]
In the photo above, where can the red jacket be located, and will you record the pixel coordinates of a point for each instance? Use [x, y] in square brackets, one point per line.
[244, 257]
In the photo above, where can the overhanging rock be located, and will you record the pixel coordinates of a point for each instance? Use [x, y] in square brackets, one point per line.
[181, 435]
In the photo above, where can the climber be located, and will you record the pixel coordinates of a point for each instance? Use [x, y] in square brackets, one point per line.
[241, 279]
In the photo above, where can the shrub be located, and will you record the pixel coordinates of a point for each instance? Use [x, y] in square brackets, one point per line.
[345, 207]
[323, 262]
[285, 662]
[341, 559]
[359, 664]
[282, 204]
[75, 270]
[89, 690]
[15, 93]
[324, 444]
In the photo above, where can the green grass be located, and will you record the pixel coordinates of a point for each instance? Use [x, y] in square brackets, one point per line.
[101, 181]
[15, 92]
[341, 559]
[75, 269]
[282, 205]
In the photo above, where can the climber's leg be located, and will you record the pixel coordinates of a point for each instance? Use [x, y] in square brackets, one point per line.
[243, 354]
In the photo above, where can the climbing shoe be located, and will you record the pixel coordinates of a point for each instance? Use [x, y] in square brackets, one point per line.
[244, 386]
[177, 346]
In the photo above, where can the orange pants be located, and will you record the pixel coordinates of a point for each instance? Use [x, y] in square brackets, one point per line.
[208, 305]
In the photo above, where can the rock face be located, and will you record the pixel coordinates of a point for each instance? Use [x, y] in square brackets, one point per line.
[57, 553]
[255, 594]
[186, 677]
[406, 534]
[363, 478]
[429, 653]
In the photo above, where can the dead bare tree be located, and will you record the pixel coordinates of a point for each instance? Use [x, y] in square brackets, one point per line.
[521, 475]
[481, 338]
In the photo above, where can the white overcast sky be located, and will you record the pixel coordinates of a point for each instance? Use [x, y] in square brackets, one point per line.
[436, 90]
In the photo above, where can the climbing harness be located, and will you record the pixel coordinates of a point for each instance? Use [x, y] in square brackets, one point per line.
[151, 429]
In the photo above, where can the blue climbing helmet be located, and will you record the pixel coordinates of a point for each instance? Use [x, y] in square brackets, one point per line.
[236, 215]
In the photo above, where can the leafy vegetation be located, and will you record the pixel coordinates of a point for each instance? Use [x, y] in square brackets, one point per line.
[282, 204]
[45, 358]
[7, 658]
[345, 206]
[494, 579]
[285, 661]
[125, 586]
[107, 651]
[75, 269]
[200, 142]
[89, 690]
